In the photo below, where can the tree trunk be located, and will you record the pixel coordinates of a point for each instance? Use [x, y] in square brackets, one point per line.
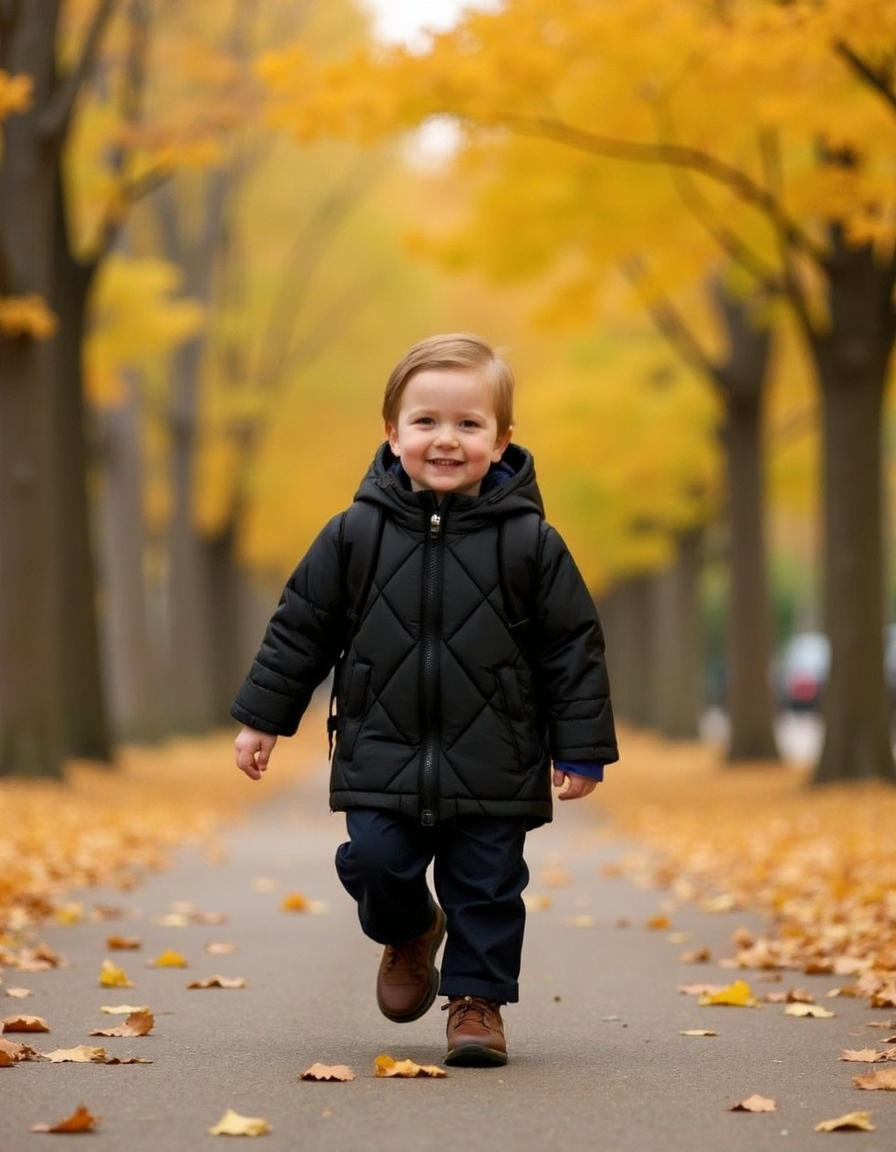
[82, 703]
[675, 642]
[852, 359]
[626, 622]
[129, 657]
[749, 702]
[29, 669]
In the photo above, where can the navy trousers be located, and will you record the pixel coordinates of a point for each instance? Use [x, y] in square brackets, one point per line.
[479, 875]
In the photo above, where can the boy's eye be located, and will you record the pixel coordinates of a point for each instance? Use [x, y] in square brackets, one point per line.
[469, 423]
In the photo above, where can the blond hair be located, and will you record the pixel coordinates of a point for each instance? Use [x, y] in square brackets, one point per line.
[460, 350]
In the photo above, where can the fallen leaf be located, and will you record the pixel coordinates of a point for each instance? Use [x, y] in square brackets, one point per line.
[219, 982]
[220, 948]
[556, 876]
[294, 902]
[80, 1121]
[581, 921]
[19, 993]
[858, 1121]
[388, 1066]
[659, 923]
[754, 1104]
[24, 1024]
[6, 1061]
[699, 989]
[791, 996]
[173, 920]
[736, 995]
[111, 976]
[83, 1054]
[327, 1072]
[14, 1051]
[808, 1010]
[116, 943]
[263, 884]
[537, 902]
[233, 1124]
[697, 956]
[122, 1009]
[697, 1032]
[139, 1023]
[168, 959]
[884, 1079]
[868, 1055]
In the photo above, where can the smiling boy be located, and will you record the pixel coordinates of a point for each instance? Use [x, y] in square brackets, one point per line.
[447, 719]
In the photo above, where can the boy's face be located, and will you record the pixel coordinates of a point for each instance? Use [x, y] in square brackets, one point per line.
[446, 435]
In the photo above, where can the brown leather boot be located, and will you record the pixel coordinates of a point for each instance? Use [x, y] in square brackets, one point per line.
[475, 1032]
[408, 979]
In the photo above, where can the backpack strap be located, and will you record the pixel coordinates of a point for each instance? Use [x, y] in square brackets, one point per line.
[519, 560]
[358, 543]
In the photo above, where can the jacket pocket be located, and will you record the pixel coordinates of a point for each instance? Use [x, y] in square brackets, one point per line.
[517, 713]
[352, 707]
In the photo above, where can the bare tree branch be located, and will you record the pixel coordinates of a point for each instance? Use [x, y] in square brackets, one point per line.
[881, 80]
[674, 156]
[57, 116]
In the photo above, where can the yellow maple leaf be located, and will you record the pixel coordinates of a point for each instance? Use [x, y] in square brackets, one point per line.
[860, 1121]
[111, 976]
[233, 1124]
[737, 995]
[168, 959]
[389, 1066]
[82, 1054]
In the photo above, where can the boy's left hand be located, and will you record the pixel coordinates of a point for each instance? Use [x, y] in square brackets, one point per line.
[572, 786]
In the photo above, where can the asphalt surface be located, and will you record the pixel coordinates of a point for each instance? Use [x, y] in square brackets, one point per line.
[597, 1058]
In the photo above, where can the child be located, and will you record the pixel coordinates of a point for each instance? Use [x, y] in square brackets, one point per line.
[447, 718]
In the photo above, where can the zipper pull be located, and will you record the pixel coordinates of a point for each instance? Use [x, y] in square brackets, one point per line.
[435, 523]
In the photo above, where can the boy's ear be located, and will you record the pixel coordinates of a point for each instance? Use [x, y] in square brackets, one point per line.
[501, 443]
[392, 437]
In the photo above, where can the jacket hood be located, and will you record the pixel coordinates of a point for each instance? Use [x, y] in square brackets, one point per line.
[509, 487]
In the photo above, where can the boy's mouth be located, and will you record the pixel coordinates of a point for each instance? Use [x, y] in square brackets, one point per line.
[441, 462]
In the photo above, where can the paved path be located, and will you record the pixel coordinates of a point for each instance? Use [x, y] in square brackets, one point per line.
[597, 1058]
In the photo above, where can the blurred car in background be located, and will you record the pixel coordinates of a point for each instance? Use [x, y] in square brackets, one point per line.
[800, 669]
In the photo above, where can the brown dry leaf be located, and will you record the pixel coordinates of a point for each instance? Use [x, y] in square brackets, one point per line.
[388, 1066]
[116, 943]
[339, 1072]
[884, 1079]
[754, 1104]
[219, 982]
[139, 1023]
[6, 1061]
[123, 1009]
[111, 976]
[791, 996]
[697, 1032]
[736, 995]
[233, 1124]
[24, 1024]
[168, 959]
[19, 993]
[14, 1051]
[815, 1010]
[295, 902]
[537, 901]
[696, 956]
[659, 923]
[583, 920]
[868, 1055]
[83, 1054]
[220, 948]
[80, 1121]
[699, 989]
[855, 1121]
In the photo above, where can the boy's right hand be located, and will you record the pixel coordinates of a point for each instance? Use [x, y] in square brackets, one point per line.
[253, 750]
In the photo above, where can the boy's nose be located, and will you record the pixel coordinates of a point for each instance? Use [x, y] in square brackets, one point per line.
[446, 435]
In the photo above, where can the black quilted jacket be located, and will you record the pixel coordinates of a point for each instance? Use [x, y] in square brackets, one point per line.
[440, 710]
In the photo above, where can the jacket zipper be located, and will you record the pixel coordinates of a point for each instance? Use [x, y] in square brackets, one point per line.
[429, 665]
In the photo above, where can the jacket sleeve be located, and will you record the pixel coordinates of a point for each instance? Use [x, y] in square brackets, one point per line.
[301, 644]
[571, 669]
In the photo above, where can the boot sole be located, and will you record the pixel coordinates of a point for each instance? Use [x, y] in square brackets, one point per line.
[432, 991]
[476, 1056]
